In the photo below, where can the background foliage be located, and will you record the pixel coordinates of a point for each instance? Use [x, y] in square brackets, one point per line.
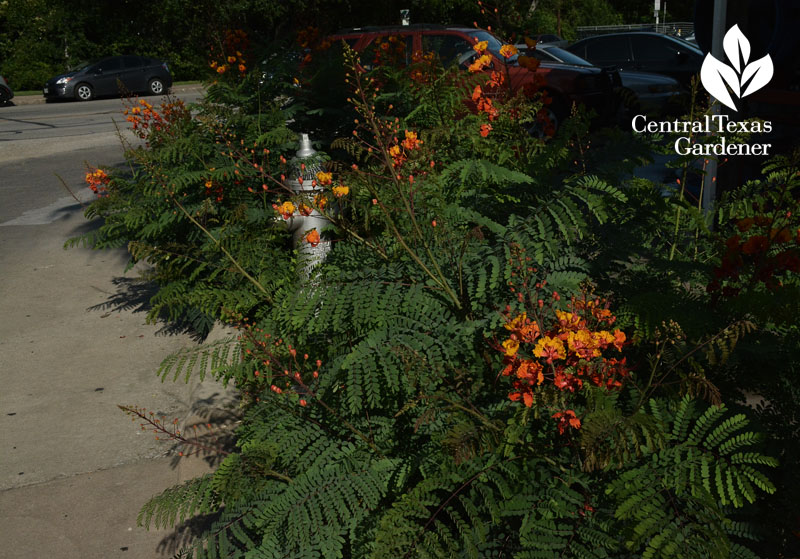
[42, 38]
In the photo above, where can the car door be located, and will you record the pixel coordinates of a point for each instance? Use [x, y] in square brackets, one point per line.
[104, 76]
[614, 50]
[133, 75]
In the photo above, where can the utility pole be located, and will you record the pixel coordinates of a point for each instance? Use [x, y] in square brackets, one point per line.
[710, 178]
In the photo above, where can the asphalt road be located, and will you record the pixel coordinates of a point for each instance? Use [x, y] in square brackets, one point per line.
[42, 140]
[74, 471]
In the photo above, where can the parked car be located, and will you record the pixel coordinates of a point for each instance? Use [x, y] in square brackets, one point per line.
[5, 92]
[642, 51]
[640, 92]
[111, 76]
[565, 84]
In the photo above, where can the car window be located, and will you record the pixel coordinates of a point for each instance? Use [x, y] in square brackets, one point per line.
[608, 50]
[82, 65]
[653, 49]
[387, 50]
[493, 43]
[565, 56]
[109, 65]
[131, 62]
[540, 54]
[448, 47]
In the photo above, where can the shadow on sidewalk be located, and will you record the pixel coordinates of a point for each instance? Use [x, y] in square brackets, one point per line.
[185, 534]
[135, 295]
[211, 432]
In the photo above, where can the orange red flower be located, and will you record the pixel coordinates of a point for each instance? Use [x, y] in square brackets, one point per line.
[511, 346]
[97, 181]
[312, 237]
[477, 93]
[482, 62]
[550, 349]
[324, 179]
[411, 141]
[304, 209]
[480, 47]
[566, 418]
[531, 371]
[286, 209]
[564, 349]
[508, 51]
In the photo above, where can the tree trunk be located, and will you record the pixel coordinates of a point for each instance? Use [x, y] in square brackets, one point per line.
[558, 19]
[532, 8]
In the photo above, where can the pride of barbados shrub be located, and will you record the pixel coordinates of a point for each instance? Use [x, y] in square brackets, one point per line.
[450, 382]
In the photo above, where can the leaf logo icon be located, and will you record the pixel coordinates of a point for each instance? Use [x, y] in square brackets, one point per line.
[740, 78]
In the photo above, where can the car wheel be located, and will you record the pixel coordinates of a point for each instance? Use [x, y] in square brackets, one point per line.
[156, 87]
[4, 97]
[84, 92]
[549, 119]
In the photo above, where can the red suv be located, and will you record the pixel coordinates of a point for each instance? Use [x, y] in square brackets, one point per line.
[565, 84]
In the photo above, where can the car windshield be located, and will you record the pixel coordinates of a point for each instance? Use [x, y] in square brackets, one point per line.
[82, 65]
[494, 43]
[684, 43]
[566, 57]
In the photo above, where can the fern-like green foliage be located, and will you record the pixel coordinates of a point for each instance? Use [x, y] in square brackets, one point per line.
[375, 419]
[676, 499]
[188, 176]
[193, 498]
[213, 358]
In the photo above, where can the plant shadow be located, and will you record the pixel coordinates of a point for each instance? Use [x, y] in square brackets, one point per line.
[179, 541]
[134, 295]
[211, 429]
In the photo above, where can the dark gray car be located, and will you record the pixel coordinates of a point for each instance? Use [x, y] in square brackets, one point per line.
[641, 91]
[642, 52]
[114, 75]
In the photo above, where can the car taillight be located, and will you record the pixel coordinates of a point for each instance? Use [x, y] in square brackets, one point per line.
[164, 65]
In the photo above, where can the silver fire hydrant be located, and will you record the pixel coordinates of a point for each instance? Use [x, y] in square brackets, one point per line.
[307, 167]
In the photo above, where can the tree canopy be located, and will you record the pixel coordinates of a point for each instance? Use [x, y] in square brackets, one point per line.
[41, 38]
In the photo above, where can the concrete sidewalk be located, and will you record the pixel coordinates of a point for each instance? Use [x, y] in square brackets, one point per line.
[39, 99]
[74, 470]
[93, 515]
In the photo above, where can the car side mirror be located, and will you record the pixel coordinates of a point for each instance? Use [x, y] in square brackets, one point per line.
[467, 58]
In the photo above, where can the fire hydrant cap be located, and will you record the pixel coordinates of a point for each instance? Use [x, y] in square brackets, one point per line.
[306, 150]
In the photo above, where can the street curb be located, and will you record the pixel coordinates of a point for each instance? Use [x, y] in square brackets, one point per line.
[40, 100]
